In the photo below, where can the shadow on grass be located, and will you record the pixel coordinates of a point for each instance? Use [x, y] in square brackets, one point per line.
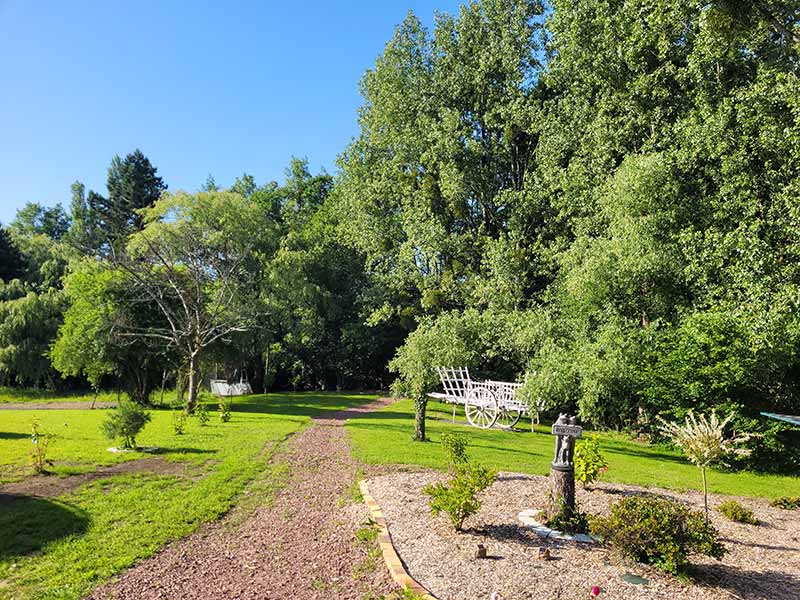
[29, 523]
[299, 404]
[13, 435]
[180, 450]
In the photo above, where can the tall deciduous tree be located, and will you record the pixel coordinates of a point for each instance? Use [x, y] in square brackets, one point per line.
[196, 259]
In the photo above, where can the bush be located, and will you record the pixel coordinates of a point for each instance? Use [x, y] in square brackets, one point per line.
[589, 462]
[455, 448]
[459, 496]
[40, 441]
[179, 421]
[736, 512]
[201, 412]
[569, 521]
[786, 502]
[658, 531]
[224, 411]
[126, 421]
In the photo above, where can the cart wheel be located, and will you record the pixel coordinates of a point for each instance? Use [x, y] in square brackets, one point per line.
[481, 408]
[508, 417]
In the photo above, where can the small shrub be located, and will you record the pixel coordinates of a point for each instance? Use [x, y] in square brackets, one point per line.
[736, 512]
[658, 531]
[179, 421]
[786, 502]
[40, 441]
[224, 411]
[589, 462]
[125, 422]
[455, 449]
[569, 521]
[201, 412]
[459, 496]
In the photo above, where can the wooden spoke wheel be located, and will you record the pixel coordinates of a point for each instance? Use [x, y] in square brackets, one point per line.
[481, 408]
[508, 417]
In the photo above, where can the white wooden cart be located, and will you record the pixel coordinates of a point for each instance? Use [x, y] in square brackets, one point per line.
[486, 403]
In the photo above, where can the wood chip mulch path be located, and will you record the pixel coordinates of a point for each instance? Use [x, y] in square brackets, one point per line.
[301, 546]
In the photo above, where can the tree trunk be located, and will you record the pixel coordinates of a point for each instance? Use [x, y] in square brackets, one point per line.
[420, 406]
[561, 498]
[191, 401]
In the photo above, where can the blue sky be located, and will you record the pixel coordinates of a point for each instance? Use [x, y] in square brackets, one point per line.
[200, 87]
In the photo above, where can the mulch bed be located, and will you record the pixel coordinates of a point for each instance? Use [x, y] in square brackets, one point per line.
[763, 562]
[301, 546]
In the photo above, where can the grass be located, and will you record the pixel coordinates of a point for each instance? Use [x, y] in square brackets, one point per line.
[63, 547]
[385, 437]
[15, 395]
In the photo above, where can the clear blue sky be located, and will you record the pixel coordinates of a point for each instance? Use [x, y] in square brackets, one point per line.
[200, 87]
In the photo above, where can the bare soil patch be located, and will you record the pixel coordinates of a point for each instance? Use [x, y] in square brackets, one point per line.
[51, 486]
[300, 546]
[763, 562]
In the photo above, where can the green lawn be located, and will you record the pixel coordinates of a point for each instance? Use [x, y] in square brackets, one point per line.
[62, 548]
[384, 437]
[15, 395]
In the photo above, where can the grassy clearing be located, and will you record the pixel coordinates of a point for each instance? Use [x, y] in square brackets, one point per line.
[384, 437]
[62, 548]
[14, 396]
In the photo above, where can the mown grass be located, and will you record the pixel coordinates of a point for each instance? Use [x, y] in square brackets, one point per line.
[63, 547]
[16, 395]
[385, 437]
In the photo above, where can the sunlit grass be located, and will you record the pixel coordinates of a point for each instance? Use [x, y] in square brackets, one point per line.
[385, 437]
[63, 547]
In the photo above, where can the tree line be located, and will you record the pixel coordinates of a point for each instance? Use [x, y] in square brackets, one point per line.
[596, 198]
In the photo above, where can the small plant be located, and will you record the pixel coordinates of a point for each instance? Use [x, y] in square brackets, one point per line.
[786, 502]
[125, 422]
[367, 533]
[589, 462]
[736, 512]
[569, 521]
[455, 449]
[658, 531]
[40, 441]
[703, 441]
[459, 496]
[224, 411]
[201, 412]
[179, 421]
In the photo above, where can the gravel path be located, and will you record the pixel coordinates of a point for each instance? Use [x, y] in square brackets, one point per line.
[763, 561]
[302, 546]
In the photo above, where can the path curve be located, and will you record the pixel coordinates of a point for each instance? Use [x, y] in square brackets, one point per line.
[299, 547]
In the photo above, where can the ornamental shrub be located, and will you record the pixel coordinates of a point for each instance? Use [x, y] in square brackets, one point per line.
[459, 496]
[589, 462]
[126, 421]
[658, 531]
[224, 411]
[786, 502]
[40, 441]
[201, 412]
[736, 512]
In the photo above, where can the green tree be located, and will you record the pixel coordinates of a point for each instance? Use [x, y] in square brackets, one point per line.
[133, 184]
[196, 260]
[11, 265]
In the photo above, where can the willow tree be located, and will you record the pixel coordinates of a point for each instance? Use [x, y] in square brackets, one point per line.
[197, 260]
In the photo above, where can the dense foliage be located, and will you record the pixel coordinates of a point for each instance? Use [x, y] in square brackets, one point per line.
[598, 199]
[658, 531]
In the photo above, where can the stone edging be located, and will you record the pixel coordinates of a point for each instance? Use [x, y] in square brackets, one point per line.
[527, 518]
[396, 567]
